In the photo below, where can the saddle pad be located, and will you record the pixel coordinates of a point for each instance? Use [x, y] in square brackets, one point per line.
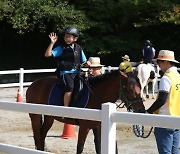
[56, 97]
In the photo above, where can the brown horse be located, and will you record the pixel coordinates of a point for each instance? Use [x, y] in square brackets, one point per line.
[105, 88]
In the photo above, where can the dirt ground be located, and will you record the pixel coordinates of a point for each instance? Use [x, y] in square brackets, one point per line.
[15, 129]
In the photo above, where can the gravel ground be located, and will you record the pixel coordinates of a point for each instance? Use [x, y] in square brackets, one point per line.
[15, 129]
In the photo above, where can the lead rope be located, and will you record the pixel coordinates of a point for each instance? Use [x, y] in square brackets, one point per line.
[139, 131]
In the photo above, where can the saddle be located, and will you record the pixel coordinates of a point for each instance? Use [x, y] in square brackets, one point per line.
[80, 95]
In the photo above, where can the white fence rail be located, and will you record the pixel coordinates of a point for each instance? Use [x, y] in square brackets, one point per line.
[19, 150]
[108, 117]
[22, 71]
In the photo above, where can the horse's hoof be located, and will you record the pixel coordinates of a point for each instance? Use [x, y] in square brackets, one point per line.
[147, 96]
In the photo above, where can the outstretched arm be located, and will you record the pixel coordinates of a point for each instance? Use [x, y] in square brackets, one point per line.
[53, 37]
[159, 102]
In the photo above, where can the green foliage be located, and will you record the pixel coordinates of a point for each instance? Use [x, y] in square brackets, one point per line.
[108, 27]
[28, 15]
[5, 9]
[172, 15]
[108, 16]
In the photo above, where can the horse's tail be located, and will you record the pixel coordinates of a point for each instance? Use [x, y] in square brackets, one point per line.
[152, 75]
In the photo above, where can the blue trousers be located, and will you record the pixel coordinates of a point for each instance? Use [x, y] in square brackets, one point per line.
[167, 140]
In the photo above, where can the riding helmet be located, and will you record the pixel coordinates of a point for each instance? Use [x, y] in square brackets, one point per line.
[148, 42]
[72, 30]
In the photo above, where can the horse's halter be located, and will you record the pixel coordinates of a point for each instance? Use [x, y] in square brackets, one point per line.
[126, 102]
[137, 129]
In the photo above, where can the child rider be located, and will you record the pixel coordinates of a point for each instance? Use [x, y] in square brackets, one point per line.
[70, 56]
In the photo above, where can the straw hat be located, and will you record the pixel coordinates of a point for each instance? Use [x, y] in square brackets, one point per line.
[167, 55]
[95, 62]
[126, 57]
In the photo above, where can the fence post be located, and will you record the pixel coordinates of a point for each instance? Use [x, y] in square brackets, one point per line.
[109, 68]
[21, 80]
[108, 129]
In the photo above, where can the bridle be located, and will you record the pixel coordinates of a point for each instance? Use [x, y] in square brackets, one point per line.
[137, 129]
[126, 102]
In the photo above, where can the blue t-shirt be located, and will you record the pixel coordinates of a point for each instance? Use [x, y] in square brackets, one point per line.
[57, 52]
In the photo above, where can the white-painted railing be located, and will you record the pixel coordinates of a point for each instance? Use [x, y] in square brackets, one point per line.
[108, 117]
[9, 149]
[22, 71]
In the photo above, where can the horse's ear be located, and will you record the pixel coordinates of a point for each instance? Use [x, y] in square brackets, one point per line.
[135, 73]
[123, 73]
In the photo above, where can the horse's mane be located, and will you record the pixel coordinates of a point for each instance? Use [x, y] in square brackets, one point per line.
[100, 78]
[133, 79]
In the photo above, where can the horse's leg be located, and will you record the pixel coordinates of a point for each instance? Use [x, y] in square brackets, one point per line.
[142, 91]
[96, 140]
[147, 90]
[116, 148]
[98, 145]
[36, 122]
[47, 124]
[82, 135]
[153, 88]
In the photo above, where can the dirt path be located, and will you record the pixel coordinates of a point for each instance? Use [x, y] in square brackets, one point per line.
[15, 129]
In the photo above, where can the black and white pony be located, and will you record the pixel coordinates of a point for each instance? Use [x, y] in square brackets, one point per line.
[146, 74]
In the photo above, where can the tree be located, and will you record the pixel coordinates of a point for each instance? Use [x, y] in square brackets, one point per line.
[109, 28]
[28, 15]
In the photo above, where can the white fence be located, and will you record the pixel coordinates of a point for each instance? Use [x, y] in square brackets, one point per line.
[19, 150]
[108, 117]
[22, 71]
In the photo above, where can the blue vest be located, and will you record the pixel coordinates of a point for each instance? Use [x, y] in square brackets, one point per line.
[148, 54]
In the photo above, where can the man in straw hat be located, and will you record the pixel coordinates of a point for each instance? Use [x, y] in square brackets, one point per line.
[95, 67]
[167, 102]
[126, 65]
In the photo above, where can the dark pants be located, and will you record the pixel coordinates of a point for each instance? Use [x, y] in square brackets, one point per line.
[68, 81]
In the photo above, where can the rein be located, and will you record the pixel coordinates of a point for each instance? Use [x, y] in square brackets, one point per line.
[87, 85]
